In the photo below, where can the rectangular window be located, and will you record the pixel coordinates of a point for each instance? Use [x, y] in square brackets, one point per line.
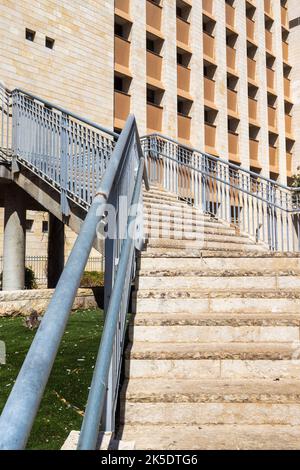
[30, 35]
[29, 225]
[150, 96]
[45, 226]
[49, 43]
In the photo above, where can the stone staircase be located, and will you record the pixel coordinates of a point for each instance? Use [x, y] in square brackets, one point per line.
[213, 357]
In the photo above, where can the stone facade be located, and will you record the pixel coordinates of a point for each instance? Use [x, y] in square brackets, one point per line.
[78, 73]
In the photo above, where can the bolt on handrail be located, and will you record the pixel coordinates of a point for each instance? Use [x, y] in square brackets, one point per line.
[267, 211]
[22, 405]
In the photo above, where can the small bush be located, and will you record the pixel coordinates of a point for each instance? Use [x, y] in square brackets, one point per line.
[92, 279]
[30, 280]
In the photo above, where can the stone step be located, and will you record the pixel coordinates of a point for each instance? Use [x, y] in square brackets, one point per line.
[211, 391]
[242, 351]
[212, 293]
[217, 319]
[176, 208]
[197, 302]
[214, 437]
[199, 236]
[163, 222]
[156, 197]
[232, 361]
[188, 218]
[188, 252]
[211, 413]
[254, 263]
[214, 334]
[199, 244]
[218, 282]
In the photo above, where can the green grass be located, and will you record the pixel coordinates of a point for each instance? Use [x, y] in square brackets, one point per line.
[67, 390]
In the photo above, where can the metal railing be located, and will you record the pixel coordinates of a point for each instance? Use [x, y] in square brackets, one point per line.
[65, 150]
[259, 207]
[120, 187]
[5, 123]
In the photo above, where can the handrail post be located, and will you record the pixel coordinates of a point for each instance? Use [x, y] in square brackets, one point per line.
[65, 208]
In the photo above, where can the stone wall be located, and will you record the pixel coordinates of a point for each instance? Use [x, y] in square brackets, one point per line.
[78, 73]
[23, 302]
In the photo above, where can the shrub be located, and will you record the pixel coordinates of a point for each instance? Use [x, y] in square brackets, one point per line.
[92, 279]
[30, 280]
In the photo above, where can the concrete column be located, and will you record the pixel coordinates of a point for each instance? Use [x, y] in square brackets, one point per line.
[221, 80]
[138, 64]
[243, 109]
[280, 92]
[294, 52]
[197, 81]
[169, 72]
[56, 250]
[14, 240]
[261, 76]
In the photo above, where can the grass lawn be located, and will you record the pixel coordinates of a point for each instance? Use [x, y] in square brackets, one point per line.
[67, 389]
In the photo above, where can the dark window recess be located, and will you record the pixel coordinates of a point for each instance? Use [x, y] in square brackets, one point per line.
[150, 96]
[179, 59]
[49, 43]
[180, 107]
[118, 84]
[118, 29]
[45, 226]
[179, 12]
[30, 35]
[295, 22]
[29, 225]
[150, 45]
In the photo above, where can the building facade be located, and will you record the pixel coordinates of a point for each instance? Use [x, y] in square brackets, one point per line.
[217, 75]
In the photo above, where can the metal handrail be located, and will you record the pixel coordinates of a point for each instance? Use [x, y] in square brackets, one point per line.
[22, 405]
[217, 159]
[68, 152]
[259, 207]
[95, 405]
[69, 113]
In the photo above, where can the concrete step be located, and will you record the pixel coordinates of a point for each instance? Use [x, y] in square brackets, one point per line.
[213, 334]
[218, 282]
[214, 437]
[254, 263]
[197, 302]
[217, 319]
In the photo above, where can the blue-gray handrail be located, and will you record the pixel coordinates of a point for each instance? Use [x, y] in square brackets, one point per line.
[22, 405]
[95, 405]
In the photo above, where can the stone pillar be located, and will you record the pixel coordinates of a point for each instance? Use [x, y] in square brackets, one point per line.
[14, 240]
[138, 64]
[169, 71]
[56, 250]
